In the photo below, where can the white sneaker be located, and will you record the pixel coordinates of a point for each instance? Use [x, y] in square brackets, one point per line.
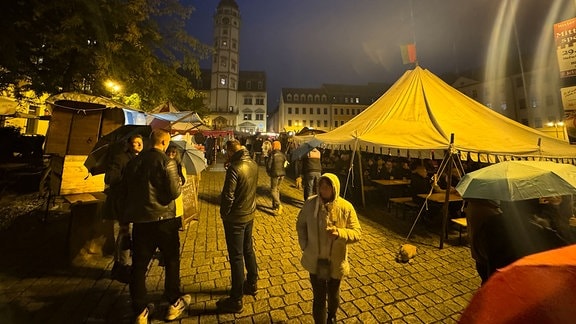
[176, 309]
[142, 318]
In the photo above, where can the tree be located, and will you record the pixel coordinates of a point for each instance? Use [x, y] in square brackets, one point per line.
[77, 45]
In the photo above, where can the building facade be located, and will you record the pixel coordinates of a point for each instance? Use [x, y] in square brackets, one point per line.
[324, 108]
[237, 100]
[532, 98]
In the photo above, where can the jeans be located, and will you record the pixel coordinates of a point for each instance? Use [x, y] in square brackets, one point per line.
[122, 248]
[324, 290]
[146, 238]
[240, 252]
[275, 191]
[310, 182]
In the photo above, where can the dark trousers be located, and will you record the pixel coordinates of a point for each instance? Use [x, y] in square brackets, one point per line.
[146, 237]
[240, 252]
[310, 182]
[275, 191]
[324, 290]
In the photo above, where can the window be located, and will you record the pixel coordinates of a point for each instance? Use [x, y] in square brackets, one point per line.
[335, 123]
[317, 111]
[290, 110]
[303, 122]
[248, 84]
[233, 65]
[223, 79]
[341, 111]
[335, 111]
[538, 122]
[304, 111]
[247, 116]
[324, 98]
[522, 103]
[316, 98]
[289, 97]
[303, 98]
[295, 97]
[317, 123]
[260, 101]
[347, 111]
[311, 123]
[224, 31]
[346, 100]
[259, 116]
[309, 98]
[357, 100]
[260, 85]
[297, 110]
[234, 44]
[325, 111]
[311, 111]
[341, 122]
[224, 43]
[534, 103]
[289, 122]
[325, 123]
[247, 100]
[524, 121]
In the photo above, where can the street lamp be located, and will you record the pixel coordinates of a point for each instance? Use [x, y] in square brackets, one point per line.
[114, 87]
[557, 124]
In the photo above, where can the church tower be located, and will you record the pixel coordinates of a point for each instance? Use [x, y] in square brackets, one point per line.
[225, 62]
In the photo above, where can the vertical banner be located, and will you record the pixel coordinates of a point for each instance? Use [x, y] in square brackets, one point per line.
[565, 39]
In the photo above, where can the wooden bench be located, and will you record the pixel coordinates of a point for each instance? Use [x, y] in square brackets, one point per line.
[462, 224]
[399, 203]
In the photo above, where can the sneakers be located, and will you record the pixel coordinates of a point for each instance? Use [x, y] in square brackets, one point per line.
[176, 309]
[121, 272]
[228, 305]
[142, 318]
[250, 288]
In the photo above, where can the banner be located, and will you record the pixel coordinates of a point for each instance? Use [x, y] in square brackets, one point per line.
[565, 39]
[408, 53]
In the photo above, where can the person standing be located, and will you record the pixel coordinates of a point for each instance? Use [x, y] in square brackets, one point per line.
[152, 184]
[237, 207]
[113, 208]
[326, 224]
[311, 171]
[276, 170]
[266, 150]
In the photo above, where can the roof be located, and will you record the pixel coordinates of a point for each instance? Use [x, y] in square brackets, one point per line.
[419, 114]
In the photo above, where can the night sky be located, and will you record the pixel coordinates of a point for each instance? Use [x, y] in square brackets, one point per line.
[305, 43]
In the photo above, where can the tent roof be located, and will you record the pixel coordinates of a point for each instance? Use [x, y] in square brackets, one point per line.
[82, 97]
[420, 112]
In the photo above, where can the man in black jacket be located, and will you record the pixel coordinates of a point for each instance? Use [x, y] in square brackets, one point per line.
[276, 170]
[237, 207]
[311, 171]
[152, 183]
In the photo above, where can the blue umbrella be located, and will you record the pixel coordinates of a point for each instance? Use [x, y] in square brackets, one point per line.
[304, 148]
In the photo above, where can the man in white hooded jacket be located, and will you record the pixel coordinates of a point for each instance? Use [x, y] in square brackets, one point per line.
[325, 225]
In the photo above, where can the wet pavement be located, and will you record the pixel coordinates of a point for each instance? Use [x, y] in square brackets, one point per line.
[37, 284]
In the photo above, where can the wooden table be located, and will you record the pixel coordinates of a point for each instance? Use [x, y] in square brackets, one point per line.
[393, 182]
[440, 197]
[392, 188]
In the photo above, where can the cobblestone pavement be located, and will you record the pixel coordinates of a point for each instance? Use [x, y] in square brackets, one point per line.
[36, 286]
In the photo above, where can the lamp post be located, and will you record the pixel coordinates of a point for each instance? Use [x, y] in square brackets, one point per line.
[114, 87]
[557, 124]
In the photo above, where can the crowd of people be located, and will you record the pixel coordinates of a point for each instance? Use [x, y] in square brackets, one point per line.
[145, 185]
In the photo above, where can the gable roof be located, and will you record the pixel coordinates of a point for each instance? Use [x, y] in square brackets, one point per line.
[418, 114]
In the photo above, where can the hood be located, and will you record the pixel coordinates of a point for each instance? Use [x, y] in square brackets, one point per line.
[335, 183]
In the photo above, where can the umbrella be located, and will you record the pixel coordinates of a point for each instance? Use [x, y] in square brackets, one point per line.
[304, 148]
[519, 180]
[112, 143]
[192, 158]
[538, 288]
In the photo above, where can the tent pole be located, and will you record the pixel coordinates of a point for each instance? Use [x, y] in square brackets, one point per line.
[361, 173]
[446, 205]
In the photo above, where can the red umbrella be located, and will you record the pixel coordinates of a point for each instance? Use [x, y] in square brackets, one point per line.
[539, 288]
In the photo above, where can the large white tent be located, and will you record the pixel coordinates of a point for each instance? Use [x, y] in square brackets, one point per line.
[417, 116]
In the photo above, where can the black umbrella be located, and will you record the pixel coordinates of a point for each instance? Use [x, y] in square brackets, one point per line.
[304, 148]
[193, 159]
[113, 143]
